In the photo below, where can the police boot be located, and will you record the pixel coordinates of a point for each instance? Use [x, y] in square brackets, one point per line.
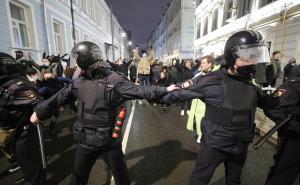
[14, 167]
[20, 181]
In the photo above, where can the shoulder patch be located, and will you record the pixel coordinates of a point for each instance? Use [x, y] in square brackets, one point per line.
[279, 92]
[30, 94]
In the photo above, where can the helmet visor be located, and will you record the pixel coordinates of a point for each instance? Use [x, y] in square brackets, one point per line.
[254, 54]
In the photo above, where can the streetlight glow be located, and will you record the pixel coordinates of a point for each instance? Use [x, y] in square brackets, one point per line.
[123, 34]
[129, 43]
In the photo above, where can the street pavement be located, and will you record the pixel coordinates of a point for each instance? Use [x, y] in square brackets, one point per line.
[159, 151]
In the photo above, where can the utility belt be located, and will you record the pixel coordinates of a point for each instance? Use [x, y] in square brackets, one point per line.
[97, 136]
[229, 118]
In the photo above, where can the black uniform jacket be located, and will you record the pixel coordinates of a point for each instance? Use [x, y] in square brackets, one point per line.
[19, 97]
[284, 101]
[209, 89]
[122, 85]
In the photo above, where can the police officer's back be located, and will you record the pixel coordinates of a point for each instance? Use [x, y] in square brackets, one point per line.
[18, 98]
[99, 93]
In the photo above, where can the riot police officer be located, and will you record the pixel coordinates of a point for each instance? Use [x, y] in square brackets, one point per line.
[99, 93]
[231, 100]
[283, 102]
[18, 98]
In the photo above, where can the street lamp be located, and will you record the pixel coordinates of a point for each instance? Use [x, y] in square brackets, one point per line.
[129, 43]
[123, 34]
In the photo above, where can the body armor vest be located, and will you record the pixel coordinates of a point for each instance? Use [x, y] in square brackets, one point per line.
[95, 105]
[238, 108]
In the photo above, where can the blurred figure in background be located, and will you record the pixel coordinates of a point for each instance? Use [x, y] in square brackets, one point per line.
[274, 69]
[163, 81]
[291, 70]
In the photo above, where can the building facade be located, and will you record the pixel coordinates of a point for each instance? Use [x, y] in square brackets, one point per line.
[173, 36]
[37, 26]
[277, 20]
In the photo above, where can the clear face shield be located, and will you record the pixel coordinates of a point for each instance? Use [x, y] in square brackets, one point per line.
[254, 54]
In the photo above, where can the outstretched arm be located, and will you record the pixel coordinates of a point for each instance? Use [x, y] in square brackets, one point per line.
[46, 109]
[113, 65]
[129, 62]
[181, 96]
[130, 91]
[190, 89]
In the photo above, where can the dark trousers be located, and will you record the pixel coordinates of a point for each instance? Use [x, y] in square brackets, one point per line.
[186, 105]
[209, 159]
[144, 80]
[86, 156]
[53, 121]
[287, 163]
[29, 156]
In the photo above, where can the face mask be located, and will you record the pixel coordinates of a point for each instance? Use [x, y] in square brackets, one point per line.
[247, 71]
[144, 55]
[32, 78]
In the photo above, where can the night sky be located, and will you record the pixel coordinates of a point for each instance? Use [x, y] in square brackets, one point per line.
[138, 16]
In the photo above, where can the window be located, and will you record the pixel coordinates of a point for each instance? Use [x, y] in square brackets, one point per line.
[19, 26]
[107, 24]
[92, 4]
[265, 2]
[59, 40]
[77, 39]
[86, 37]
[99, 14]
[229, 9]
[244, 7]
[205, 26]
[83, 5]
[198, 31]
[214, 25]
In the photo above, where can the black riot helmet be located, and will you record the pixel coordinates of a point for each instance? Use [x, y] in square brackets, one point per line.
[87, 54]
[9, 66]
[247, 45]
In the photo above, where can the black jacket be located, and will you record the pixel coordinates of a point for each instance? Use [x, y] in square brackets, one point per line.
[18, 97]
[122, 85]
[285, 100]
[210, 89]
[184, 72]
